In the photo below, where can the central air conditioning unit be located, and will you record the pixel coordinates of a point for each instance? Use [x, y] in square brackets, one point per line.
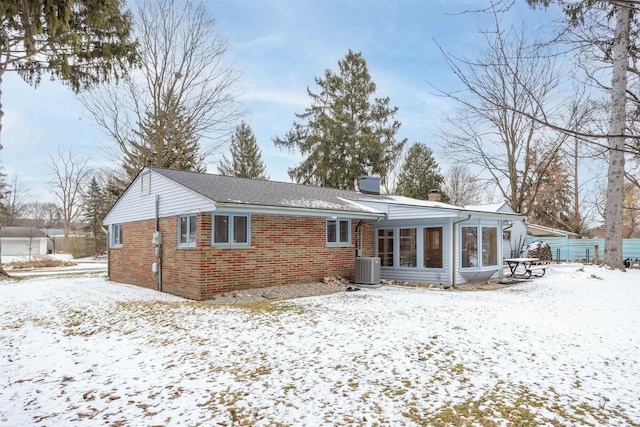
[368, 270]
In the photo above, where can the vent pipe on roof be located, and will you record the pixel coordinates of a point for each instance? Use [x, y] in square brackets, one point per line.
[369, 184]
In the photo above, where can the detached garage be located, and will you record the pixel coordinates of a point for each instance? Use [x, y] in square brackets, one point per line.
[23, 241]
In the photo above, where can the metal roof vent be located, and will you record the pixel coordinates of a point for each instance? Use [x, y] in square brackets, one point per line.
[369, 184]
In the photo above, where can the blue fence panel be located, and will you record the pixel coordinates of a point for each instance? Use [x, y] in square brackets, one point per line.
[565, 249]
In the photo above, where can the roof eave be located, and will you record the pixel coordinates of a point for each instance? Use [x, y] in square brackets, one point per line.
[317, 212]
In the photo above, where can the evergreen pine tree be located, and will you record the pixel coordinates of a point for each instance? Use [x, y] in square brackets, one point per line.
[344, 130]
[246, 158]
[420, 174]
[166, 139]
[94, 209]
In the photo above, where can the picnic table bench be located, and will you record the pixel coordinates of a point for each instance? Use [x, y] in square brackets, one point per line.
[527, 266]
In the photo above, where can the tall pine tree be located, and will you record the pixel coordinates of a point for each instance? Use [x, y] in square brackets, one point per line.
[246, 158]
[420, 174]
[94, 209]
[344, 130]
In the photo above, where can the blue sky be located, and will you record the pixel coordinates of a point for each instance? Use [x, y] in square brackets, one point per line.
[279, 47]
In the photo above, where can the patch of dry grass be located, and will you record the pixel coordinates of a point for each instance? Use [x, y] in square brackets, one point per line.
[39, 263]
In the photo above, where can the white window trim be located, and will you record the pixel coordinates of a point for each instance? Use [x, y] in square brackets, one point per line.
[188, 244]
[230, 229]
[420, 246]
[480, 265]
[337, 242]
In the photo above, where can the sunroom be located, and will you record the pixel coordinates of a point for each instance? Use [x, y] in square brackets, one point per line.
[439, 243]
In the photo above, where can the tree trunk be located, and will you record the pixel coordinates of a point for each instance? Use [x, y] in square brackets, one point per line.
[615, 182]
[577, 224]
[2, 272]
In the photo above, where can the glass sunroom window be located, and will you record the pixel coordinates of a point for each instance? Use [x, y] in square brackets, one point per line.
[385, 247]
[469, 247]
[408, 246]
[433, 247]
[489, 246]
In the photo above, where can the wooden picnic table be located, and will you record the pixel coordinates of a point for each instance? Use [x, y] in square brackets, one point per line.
[528, 265]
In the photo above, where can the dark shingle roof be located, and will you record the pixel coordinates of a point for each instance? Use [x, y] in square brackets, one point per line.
[228, 189]
[21, 232]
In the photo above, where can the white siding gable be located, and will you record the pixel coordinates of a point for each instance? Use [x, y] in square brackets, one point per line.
[174, 199]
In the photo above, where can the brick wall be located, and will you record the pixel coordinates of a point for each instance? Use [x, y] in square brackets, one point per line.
[284, 250]
[132, 262]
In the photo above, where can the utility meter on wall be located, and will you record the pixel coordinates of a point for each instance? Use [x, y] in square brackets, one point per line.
[157, 238]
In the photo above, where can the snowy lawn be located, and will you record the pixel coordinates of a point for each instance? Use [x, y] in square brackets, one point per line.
[563, 349]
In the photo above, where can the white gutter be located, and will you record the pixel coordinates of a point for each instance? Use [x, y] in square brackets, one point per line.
[453, 260]
[307, 211]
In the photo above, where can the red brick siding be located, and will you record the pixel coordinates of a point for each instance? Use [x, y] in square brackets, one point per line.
[132, 262]
[284, 250]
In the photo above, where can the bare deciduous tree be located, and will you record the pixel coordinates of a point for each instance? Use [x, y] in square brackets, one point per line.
[511, 74]
[589, 24]
[43, 214]
[70, 172]
[462, 186]
[15, 201]
[179, 107]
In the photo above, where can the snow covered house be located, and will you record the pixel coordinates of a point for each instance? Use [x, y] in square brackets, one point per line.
[23, 241]
[195, 235]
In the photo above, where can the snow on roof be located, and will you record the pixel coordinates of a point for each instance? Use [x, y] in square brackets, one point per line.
[491, 207]
[233, 190]
[541, 230]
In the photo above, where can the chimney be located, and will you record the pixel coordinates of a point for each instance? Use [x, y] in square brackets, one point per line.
[434, 196]
[369, 184]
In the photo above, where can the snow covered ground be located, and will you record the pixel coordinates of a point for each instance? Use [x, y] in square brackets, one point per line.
[81, 265]
[563, 349]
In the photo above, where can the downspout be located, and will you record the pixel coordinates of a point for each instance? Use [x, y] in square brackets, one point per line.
[501, 269]
[359, 239]
[453, 261]
[158, 245]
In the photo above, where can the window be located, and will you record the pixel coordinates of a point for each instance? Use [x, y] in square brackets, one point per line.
[385, 247]
[408, 246]
[432, 247]
[187, 230]
[116, 235]
[231, 230]
[338, 231]
[145, 181]
[489, 246]
[482, 252]
[469, 247]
